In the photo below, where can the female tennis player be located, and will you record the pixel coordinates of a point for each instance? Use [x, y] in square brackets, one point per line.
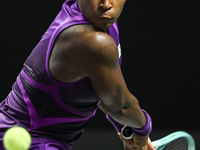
[72, 70]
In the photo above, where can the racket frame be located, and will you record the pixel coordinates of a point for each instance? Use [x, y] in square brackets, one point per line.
[173, 136]
[161, 143]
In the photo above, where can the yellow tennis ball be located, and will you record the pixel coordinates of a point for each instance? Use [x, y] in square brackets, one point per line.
[17, 138]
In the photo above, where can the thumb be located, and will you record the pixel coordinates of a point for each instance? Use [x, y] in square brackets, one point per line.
[120, 136]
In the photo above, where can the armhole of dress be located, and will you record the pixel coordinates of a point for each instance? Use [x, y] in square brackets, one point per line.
[49, 50]
[113, 32]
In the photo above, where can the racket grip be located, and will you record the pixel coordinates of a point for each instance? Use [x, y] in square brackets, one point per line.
[127, 132]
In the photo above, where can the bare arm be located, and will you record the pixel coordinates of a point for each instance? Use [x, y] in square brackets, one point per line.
[108, 82]
[95, 55]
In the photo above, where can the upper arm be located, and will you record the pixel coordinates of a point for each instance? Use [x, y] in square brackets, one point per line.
[103, 69]
[83, 52]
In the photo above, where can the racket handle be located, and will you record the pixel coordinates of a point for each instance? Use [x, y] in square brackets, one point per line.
[127, 132]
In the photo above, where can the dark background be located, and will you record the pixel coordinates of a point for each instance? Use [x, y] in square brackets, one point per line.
[160, 47]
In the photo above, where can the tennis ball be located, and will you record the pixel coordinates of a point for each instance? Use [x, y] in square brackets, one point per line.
[17, 138]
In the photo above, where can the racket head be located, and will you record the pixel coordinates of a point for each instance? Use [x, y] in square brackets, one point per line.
[179, 140]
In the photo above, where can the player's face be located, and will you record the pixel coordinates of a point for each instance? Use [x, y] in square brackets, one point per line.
[101, 13]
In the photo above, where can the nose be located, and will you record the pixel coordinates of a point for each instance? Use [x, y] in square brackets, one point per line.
[105, 4]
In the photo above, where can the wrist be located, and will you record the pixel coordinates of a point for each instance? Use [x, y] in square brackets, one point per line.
[146, 130]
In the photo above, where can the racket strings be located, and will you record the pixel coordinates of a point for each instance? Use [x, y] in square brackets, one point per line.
[178, 144]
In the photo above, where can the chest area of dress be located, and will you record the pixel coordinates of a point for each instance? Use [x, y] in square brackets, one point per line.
[81, 93]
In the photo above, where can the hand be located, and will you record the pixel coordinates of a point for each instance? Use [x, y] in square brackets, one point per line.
[137, 143]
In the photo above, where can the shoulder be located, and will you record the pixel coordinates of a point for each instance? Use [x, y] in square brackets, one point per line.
[81, 51]
[87, 35]
[87, 41]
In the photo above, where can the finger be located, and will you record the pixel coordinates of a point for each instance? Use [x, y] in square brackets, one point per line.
[136, 143]
[129, 144]
[127, 141]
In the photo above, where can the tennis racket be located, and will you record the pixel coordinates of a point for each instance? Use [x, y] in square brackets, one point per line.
[178, 140]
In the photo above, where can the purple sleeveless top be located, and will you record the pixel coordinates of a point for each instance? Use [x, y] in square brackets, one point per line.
[54, 107]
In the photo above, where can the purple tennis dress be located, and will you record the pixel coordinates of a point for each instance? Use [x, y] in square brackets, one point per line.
[55, 113]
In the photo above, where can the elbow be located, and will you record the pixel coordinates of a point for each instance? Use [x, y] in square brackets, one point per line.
[119, 109]
[115, 110]
[122, 105]
[124, 108]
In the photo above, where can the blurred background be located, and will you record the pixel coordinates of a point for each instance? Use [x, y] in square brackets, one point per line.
[160, 41]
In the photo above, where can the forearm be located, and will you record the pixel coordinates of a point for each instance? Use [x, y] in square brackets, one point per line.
[131, 115]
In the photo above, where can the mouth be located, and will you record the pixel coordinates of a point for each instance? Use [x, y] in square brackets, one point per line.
[105, 21]
[105, 17]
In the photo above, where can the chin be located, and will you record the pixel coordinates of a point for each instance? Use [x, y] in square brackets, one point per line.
[104, 27]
